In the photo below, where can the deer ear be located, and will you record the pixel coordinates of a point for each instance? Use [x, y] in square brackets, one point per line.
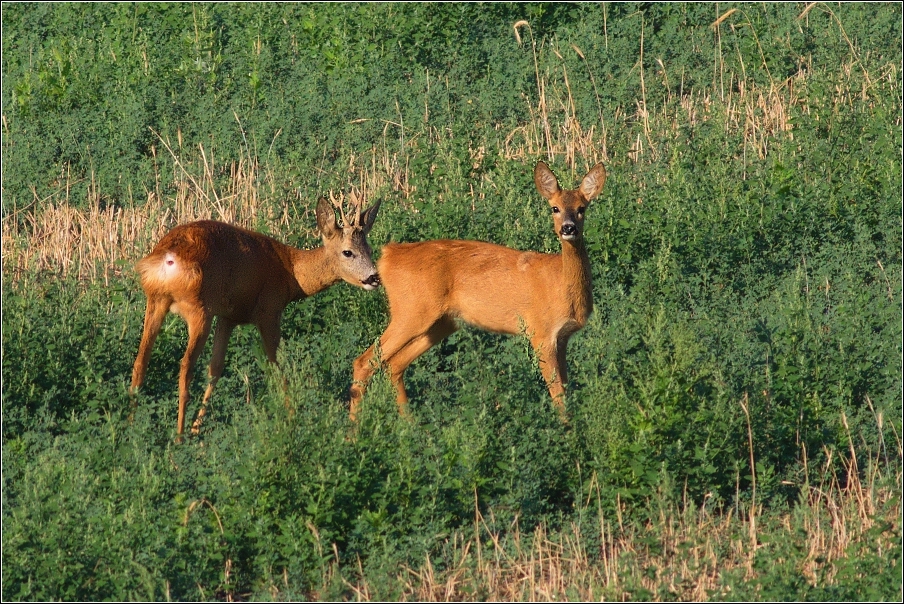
[326, 219]
[545, 180]
[368, 217]
[593, 182]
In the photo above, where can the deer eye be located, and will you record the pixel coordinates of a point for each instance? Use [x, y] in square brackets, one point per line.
[347, 253]
[581, 210]
[555, 209]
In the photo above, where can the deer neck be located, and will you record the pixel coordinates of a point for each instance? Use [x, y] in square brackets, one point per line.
[313, 269]
[576, 279]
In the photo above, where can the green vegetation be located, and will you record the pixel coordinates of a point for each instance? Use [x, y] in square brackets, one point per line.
[736, 396]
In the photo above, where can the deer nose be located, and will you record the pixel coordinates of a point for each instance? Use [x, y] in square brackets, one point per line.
[569, 229]
[373, 280]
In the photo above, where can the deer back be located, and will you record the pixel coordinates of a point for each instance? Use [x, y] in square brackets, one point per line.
[495, 287]
[224, 267]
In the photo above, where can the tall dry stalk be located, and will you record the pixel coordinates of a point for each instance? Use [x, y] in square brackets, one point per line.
[761, 113]
[686, 554]
[104, 240]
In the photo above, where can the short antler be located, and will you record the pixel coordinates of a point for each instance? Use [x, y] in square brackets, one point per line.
[358, 201]
[355, 201]
[339, 205]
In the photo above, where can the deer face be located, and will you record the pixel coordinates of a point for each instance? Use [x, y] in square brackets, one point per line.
[347, 245]
[569, 207]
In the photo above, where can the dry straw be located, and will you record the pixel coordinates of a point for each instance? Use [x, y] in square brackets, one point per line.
[106, 237]
[685, 553]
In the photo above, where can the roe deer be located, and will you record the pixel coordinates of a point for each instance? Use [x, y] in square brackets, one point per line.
[432, 283]
[205, 269]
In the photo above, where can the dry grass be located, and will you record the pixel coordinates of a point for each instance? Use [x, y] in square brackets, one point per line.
[105, 240]
[97, 242]
[690, 554]
[759, 113]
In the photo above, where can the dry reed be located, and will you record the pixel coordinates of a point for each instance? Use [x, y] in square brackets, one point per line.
[684, 554]
[104, 240]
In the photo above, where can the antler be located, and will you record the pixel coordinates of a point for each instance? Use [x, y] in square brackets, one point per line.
[355, 200]
[338, 204]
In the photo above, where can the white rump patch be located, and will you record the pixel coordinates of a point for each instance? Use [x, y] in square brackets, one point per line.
[170, 266]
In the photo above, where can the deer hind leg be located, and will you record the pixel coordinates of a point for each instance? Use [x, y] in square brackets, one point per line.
[198, 329]
[217, 365]
[406, 355]
[398, 348]
[153, 319]
[362, 372]
[365, 365]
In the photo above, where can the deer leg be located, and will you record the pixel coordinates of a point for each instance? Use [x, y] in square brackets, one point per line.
[400, 361]
[198, 329]
[561, 354]
[362, 372]
[552, 367]
[153, 320]
[217, 365]
[394, 339]
[270, 337]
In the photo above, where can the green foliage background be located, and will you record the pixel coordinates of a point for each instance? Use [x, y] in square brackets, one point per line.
[719, 276]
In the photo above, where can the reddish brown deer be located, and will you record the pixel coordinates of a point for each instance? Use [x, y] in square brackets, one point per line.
[208, 269]
[432, 283]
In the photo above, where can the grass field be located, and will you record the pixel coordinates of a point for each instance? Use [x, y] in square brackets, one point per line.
[735, 399]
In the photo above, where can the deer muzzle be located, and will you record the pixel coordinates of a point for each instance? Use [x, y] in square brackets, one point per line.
[372, 282]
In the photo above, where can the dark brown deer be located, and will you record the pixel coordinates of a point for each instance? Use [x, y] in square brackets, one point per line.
[208, 269]
[432, 283]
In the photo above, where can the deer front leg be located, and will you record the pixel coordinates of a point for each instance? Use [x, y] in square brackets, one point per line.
[552, 366]
[270, 337]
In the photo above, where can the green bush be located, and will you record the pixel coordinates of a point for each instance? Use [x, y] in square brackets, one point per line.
[728, 273]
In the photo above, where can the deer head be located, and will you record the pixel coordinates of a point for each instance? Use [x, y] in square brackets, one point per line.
[346, 245]
[568, 207]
